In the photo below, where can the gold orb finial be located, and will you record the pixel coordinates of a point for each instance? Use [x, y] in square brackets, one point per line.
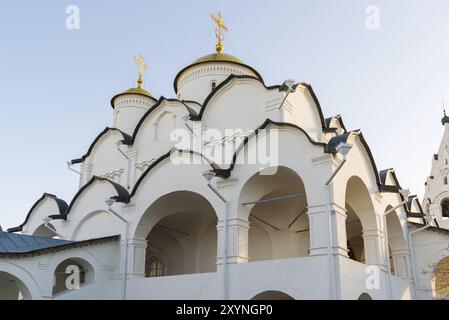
[141, 68]
[220, 29]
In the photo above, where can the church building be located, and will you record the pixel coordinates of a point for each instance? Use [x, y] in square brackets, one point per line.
[231, 189]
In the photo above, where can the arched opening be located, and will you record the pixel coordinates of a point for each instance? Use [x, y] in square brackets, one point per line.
[272, 295]
[182, 237]
[45, 231]
[12, 288]
[441, 279]
[361, 226]
[72, 274]
[445, 208]
[397, 246]
[354, 234]
[365, 296]
[276, 206]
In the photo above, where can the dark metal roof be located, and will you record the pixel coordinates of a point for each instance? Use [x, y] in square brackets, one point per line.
[20, 243]
[383, 175]
[40, 246]
[383, 178]
[410, 200]
[338, 118]
[335, 141]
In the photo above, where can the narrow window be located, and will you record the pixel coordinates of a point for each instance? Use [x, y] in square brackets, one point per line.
[445, 180]
[445, 208]
[157, 268]
[213, 85]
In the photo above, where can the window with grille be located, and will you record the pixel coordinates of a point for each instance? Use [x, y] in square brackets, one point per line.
[157, 268]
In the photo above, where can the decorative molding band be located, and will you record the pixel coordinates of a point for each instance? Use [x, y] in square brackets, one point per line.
[210, 69]
[130, 100]
[322, 161]
[227, 183]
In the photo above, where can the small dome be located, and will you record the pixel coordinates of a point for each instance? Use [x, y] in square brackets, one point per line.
[217, 57]
[445, 119]
[137, 90]
[221, 57]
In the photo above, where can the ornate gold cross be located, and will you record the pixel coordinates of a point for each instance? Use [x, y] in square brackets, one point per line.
[219, 30]
[141, 68]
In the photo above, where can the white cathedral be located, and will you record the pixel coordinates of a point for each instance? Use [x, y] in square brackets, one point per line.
[157, 219]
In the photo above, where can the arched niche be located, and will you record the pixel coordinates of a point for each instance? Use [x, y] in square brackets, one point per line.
[72, 274]
[397, 246]
[276, 208]
[12, 288]
[361, 225]
[441, 279]
[181, 233]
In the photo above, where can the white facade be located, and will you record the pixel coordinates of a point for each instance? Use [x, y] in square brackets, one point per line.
[436, 197]
[278, 234]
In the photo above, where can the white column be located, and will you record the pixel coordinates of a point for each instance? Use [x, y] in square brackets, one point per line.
[374, 248]
[136, 257]
[131, 172]
[340, 244]
[319, 230]
[237, 241]
[401, 262]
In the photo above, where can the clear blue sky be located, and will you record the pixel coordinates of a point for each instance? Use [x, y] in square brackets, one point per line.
[56, 84]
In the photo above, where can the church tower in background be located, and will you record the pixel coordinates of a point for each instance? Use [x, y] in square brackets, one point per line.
[436, 197]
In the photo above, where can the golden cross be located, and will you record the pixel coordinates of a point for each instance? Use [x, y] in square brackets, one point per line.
[141, 68]
[219, 30]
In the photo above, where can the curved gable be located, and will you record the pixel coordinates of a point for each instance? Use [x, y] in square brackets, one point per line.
[364, 157]
[152, 137]
[303, 109]
[237, 103]
[121, 195]
[99, 139]
[165, 158]
[226, 172]
[222, 85]
[61, 206]
[159, 105]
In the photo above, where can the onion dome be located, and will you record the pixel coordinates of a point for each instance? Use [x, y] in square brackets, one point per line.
[197, 80]
[445, 119]
[129, 106]
[142, 67]
[217, 58]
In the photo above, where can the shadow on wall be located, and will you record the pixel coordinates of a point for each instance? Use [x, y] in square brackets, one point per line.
[12, 288]
[279, 224]
[184, 239]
